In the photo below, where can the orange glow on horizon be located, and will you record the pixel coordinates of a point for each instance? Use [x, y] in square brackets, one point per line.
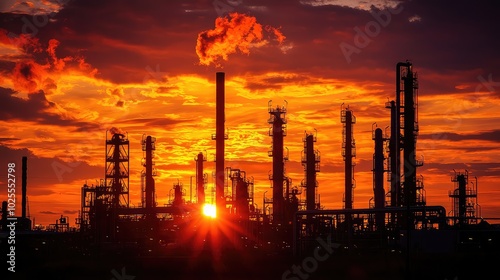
[59, 98]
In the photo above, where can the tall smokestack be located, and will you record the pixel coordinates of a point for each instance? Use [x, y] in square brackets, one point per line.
[200, 188]
[219, 140]
[23, 182]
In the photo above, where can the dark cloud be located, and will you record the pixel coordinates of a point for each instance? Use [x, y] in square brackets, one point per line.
[153, 122]
[474, 168]
[34, 109]
[277, 82]
[42, 171]
[5, 139]
[49, 212]
[491, 135]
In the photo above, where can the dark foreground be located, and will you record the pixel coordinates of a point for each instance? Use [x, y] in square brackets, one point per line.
[257, 265]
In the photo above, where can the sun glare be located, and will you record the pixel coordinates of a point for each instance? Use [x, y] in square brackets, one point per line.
[209, 210]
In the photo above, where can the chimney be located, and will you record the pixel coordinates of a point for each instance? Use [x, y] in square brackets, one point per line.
[219, 140]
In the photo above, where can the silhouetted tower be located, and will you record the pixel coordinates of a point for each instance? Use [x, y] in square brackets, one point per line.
[148, 147]
[409, 117]
[378, 175]
[240, 194]
[219, 137]
[394, 156]
[404, 131]
[294, 201]
[117, 169]
[310, 161]
[464, 196]
[277, 131]
[348, 152]
[178, 193]
[200, 178]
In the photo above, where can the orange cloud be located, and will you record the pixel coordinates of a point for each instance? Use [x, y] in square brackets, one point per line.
[28, 76]
[279, 36]
[23, 41]
[31, 74]
[237, 32]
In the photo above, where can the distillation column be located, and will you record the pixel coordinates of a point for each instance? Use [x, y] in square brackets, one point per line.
[348, 152]
[464, 200]
[394, 156]
[178, 194]
[310, 160]
[406, 189]
[200, 180]
[277, 131]
[148, 146]
[378, 176]
[242, 195]
[409, 137]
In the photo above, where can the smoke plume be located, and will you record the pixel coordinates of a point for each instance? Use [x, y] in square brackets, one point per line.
[233, 33]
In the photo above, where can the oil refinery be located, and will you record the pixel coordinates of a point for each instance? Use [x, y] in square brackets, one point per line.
[225, 233]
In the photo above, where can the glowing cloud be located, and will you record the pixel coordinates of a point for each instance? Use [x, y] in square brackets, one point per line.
[37, 67]
[236, 32]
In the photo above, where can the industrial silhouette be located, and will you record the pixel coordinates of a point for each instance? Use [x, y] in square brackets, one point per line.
[398, 236]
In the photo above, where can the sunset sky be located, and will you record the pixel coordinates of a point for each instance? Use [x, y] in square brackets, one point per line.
[71, 69]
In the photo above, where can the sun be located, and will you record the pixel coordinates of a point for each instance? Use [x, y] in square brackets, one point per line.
[209, 210]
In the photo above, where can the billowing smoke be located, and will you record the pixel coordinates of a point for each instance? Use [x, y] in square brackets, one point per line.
[37, 67]
[233, 33]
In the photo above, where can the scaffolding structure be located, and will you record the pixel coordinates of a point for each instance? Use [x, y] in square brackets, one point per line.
[464, 208]
[117, 170]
